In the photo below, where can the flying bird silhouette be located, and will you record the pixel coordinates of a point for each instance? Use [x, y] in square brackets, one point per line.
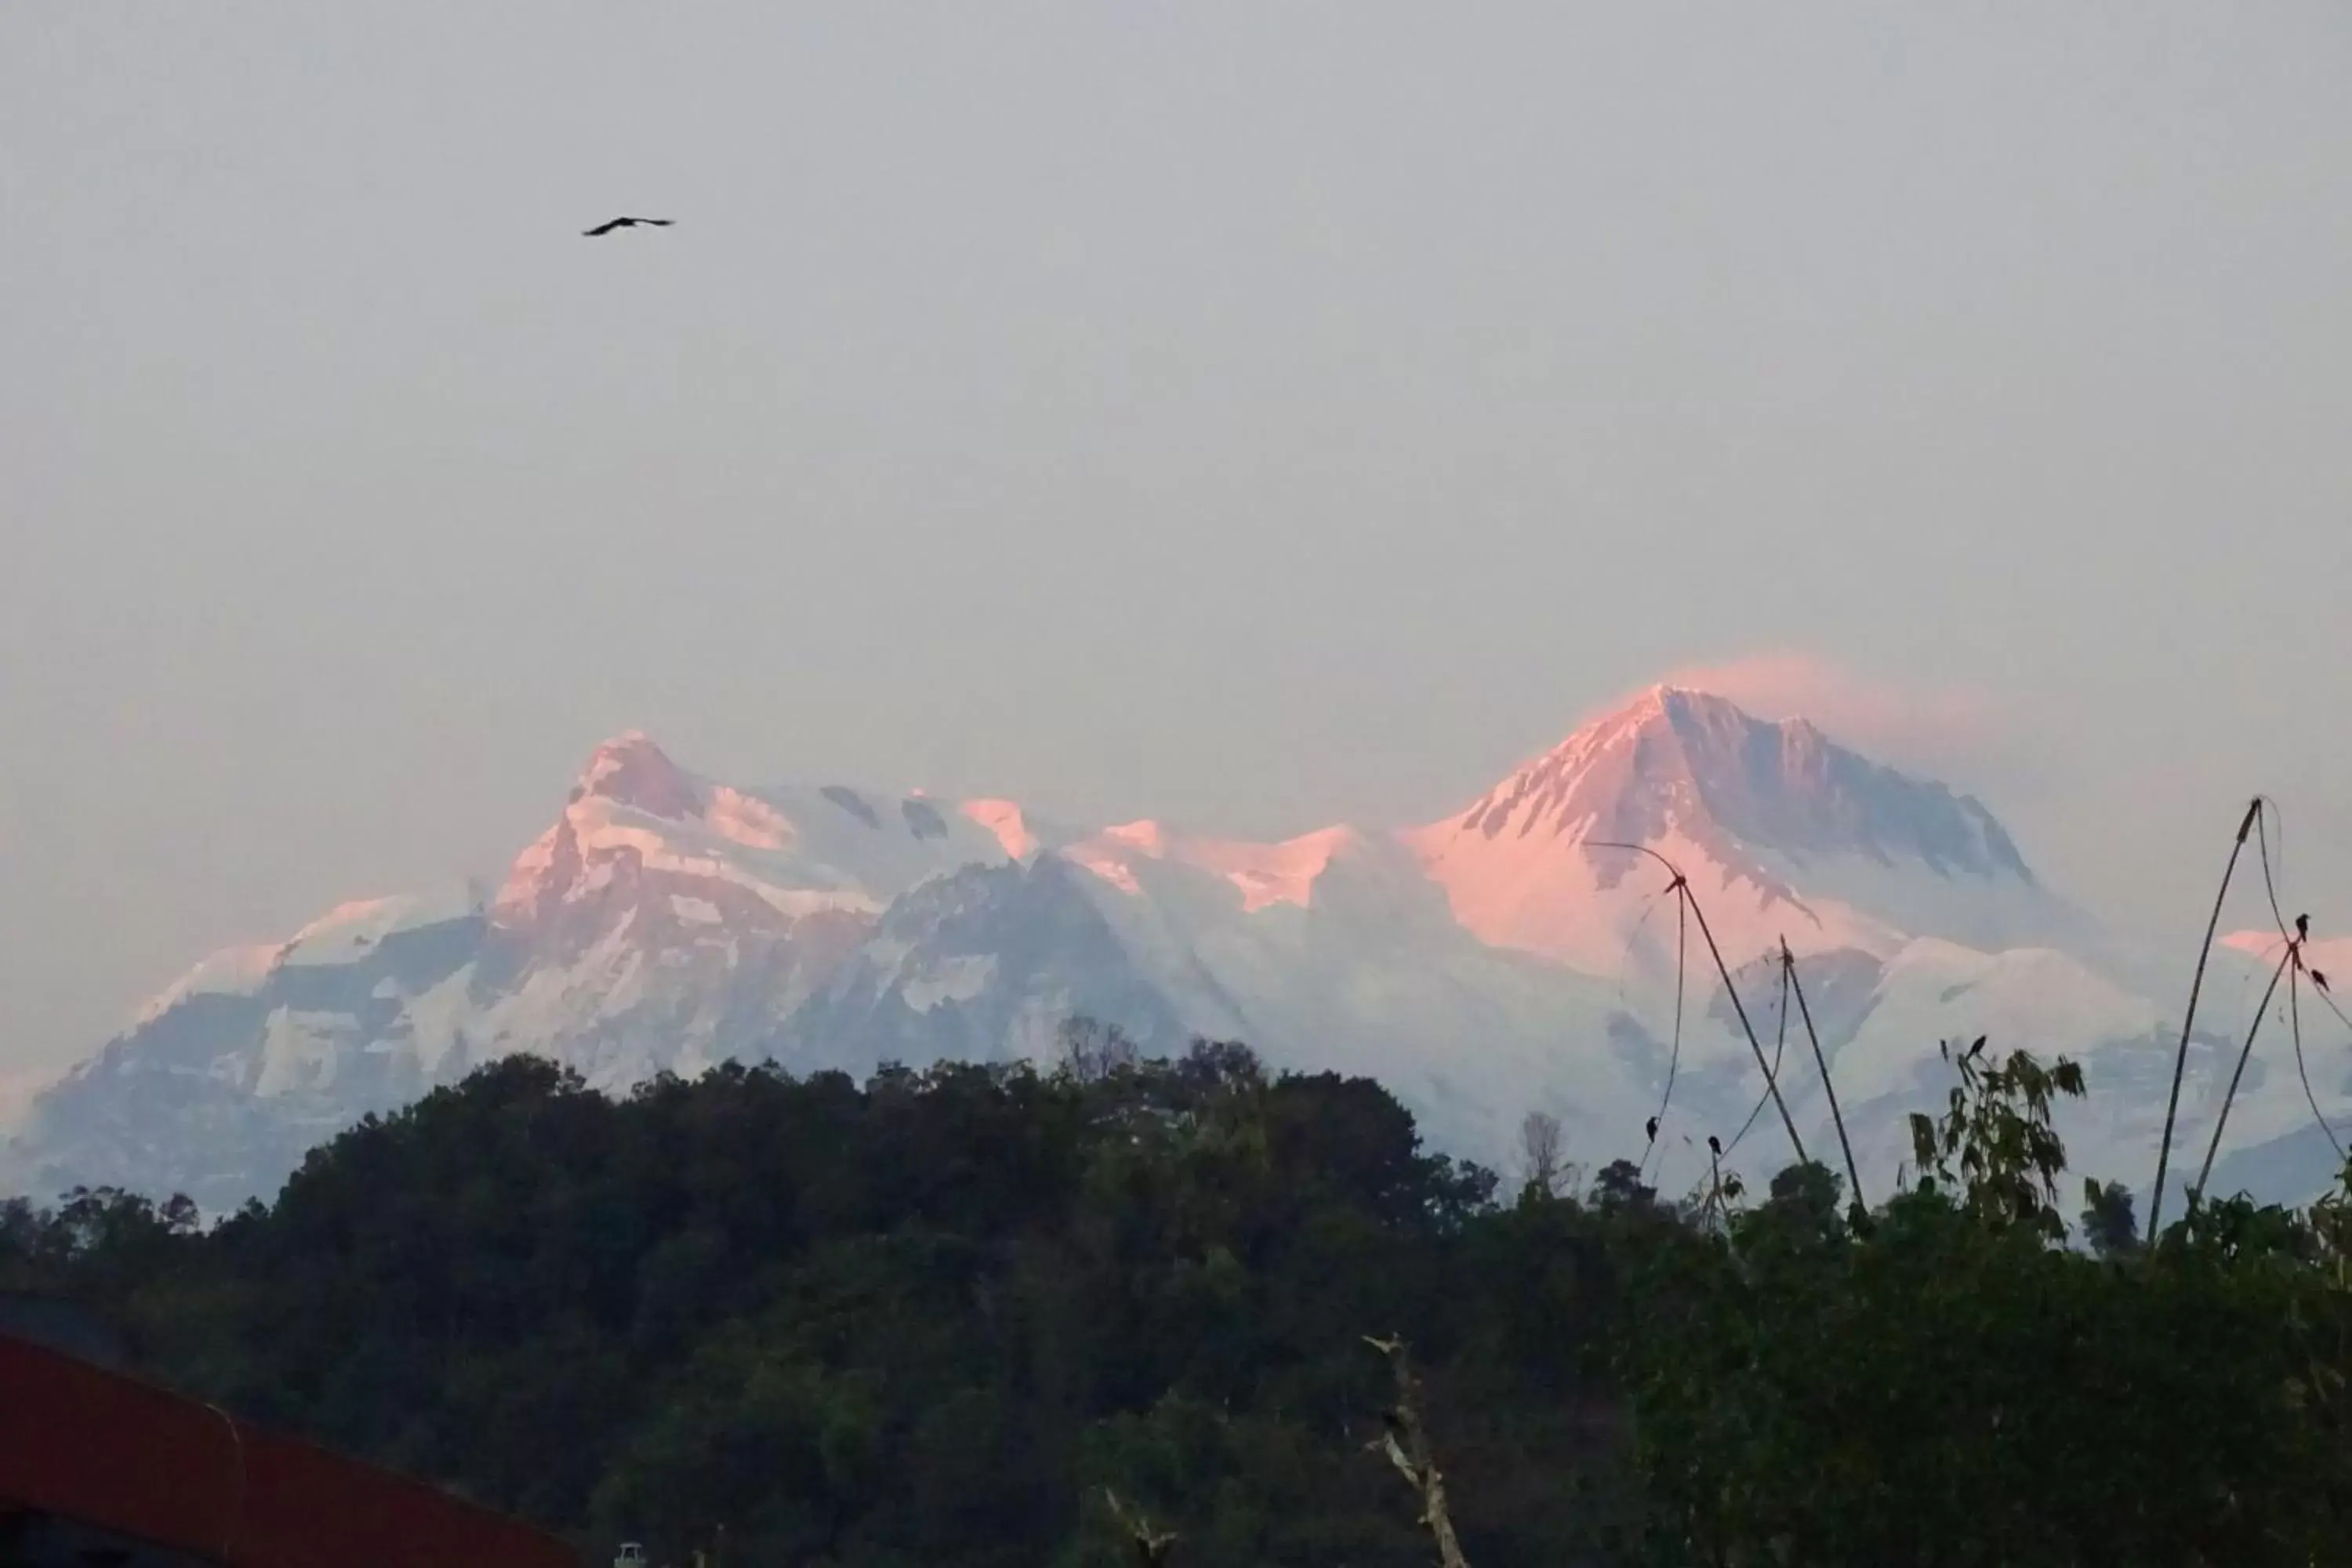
[609, 225]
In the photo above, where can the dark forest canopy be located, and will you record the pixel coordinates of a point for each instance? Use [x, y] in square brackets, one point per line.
[942, 1317]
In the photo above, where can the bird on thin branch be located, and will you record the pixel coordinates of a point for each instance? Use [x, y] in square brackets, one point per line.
[611, 224]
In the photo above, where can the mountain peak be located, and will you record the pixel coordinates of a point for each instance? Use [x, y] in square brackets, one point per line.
[1678, 761]
[1695, 715]
[1753, 810]
[665, 921]
[631, 770]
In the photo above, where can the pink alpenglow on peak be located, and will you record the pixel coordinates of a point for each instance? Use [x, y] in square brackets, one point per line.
[1503, 957]
[1004, 819]
[1781, 831]
[630, 769]
[746, 819]
[364, 922]
[1262, 875]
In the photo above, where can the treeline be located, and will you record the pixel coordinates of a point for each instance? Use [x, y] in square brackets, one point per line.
[947, 1317]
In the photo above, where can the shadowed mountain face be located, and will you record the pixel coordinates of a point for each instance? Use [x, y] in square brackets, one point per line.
[1501, 960]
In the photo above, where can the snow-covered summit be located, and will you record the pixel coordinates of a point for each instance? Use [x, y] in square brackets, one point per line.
[1781, 829]
[1501, 960]
[797, 848]
[1675, 760]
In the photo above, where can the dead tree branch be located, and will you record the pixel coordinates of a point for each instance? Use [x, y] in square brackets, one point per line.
[1151, 1546]
[1406, 1444]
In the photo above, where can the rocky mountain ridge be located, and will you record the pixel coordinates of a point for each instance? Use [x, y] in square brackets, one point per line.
[1509, 957]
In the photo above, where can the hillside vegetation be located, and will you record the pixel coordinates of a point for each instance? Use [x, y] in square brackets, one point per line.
[947, 1317]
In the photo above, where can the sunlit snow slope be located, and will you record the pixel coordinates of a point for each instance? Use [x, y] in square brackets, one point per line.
[1508, 958]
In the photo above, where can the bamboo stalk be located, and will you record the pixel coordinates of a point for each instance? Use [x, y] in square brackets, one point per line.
[1674, 1056]
[2180, 1058]
[1853, 1173]
[2206, 1170]
[1682, 883]
[1772, 1081]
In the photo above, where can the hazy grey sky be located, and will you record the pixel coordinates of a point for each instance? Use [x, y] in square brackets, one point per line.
[1249, 415]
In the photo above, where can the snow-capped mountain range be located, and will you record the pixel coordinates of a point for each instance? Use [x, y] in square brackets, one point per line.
[1510, 957]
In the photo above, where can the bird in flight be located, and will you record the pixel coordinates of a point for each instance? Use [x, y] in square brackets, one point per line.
[608, 228]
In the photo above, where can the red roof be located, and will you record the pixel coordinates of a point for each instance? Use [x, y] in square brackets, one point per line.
[124, 1455]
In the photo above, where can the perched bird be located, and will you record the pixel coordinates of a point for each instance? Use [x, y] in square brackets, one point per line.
[1714, 1145]
[2319, 980]
[1978, 1049]
[1652, 1126]
[610, 225]
[2301, 927]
